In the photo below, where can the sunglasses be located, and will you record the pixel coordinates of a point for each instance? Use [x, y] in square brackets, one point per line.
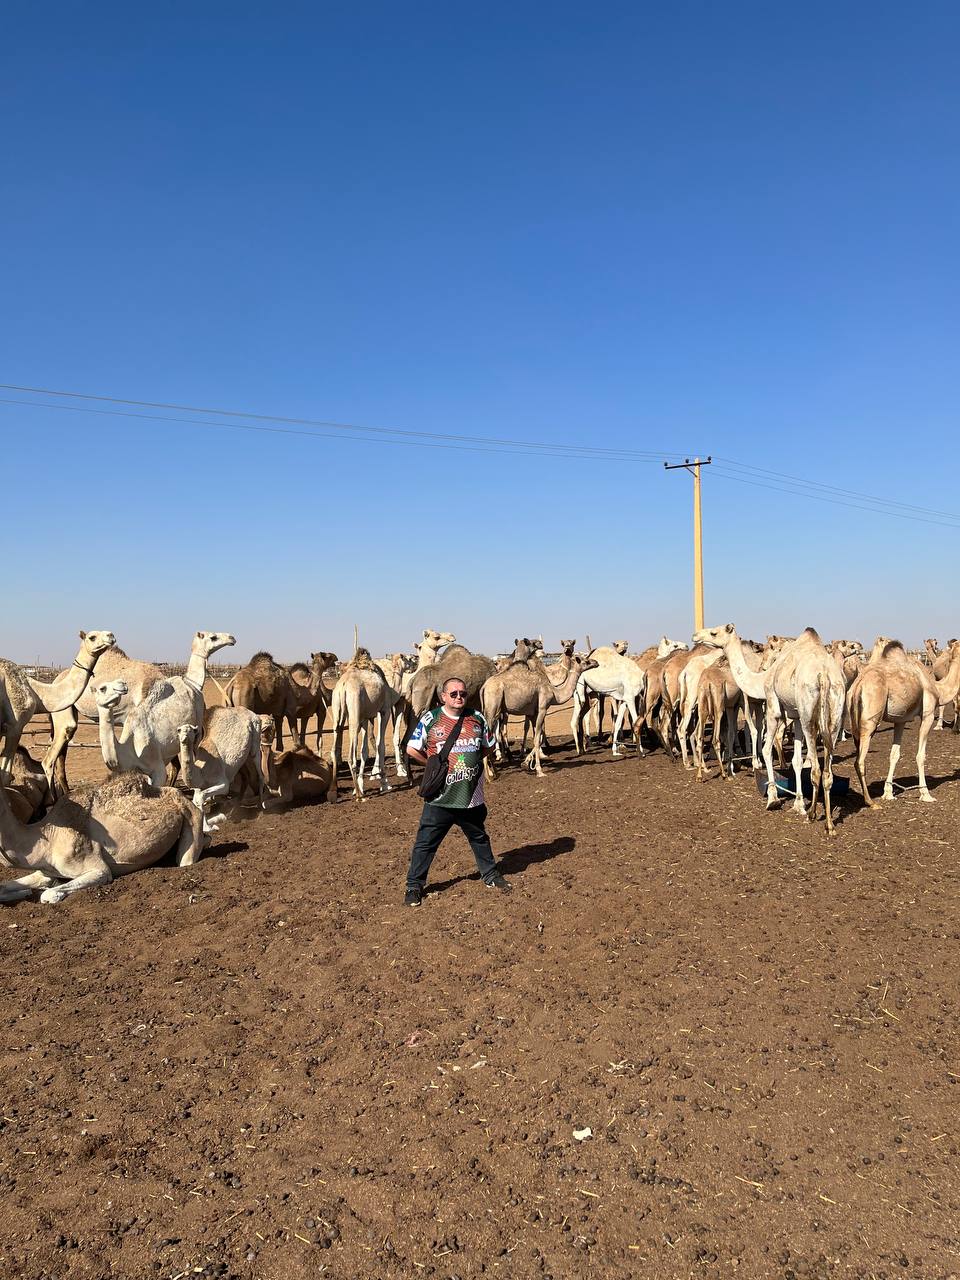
[456, 693]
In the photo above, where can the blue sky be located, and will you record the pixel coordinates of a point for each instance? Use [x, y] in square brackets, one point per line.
[730, 229]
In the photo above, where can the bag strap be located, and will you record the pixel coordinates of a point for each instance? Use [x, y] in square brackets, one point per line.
[444, 753]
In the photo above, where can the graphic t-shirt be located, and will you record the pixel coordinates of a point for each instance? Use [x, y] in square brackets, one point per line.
[464, 785]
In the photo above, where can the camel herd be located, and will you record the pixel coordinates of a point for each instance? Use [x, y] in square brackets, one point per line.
[671, 693]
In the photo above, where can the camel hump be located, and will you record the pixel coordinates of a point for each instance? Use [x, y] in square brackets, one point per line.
[261, 659]
[892, 648]
[811, 634]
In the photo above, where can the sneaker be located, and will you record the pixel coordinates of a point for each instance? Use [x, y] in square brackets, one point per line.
[414, 898]
[497, 881]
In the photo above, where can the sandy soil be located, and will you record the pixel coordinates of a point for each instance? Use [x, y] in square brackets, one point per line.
[264, 1066]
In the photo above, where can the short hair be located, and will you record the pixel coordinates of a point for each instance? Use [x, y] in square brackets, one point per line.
[452, 680]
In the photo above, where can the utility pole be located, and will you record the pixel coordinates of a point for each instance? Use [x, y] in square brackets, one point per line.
[693, 465]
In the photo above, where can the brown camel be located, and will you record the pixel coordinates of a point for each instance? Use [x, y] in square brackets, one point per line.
[895, 688]
[266, 687]
[524, 690]
[308, 695]
[472, 668]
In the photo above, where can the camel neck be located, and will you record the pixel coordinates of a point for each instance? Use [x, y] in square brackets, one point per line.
[196, 672]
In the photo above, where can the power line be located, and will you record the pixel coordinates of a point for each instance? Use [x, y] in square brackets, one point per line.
[578, 454]
[323, 429]
[836, 502]
[591, 450]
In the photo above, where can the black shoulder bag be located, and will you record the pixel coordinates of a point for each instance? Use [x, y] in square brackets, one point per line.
[435, 770]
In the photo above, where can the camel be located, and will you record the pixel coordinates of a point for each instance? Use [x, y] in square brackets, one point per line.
[687, 688]
[28, 790]
[231, 741]
[360, 696]
[895, 688]
[148, 739]
[940, 665]
[294, 693]
[112, 664]
[96, 834]
[803, 685]
[614, 674]
[21, 696]
[595, 702]
[287, 768]
[523, 690]
[670, 694]
[719, 700]
[307, 695]
[472, 668]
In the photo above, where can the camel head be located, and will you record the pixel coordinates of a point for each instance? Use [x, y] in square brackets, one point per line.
[109, 693]
[848, 648]
[187, 733]
[567, 647]
[323, 660]
[268, 729]
[930, 645]
[207, 642]
[715, 637]
[582, 664]
[96, 641]
[620, 646]
[524, 649]
[666, 647]
[436, 639]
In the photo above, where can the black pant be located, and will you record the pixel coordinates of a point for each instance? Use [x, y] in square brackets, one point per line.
[435, 822]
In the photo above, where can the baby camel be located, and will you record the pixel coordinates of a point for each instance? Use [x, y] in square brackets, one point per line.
[230, 742]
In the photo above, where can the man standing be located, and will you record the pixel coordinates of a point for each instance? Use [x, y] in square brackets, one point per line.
[461, 801]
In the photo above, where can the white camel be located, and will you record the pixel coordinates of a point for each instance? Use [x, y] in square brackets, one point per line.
[230, 742]
[22, 696]
[804, 686]
[619, 676]
[359, 697]
[148, 739]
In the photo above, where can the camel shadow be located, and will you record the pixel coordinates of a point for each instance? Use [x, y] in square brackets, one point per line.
[515, 861]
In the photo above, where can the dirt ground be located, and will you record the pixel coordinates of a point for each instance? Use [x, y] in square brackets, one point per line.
[264, 1066]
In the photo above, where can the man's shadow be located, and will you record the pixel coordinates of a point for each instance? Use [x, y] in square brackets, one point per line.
[515, 861]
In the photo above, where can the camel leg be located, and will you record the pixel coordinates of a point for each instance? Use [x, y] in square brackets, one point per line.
[752, 717]
[203, 796]
[827, 781]
[54, 761]
[894, 757]
[190, 842]
[401, 768]
[773, 797]
[11, 740]
[381, 754]
[816, 773]
[335, 760]
[23, 886]
[576, 721]
[798, 744]
[866, 730]
[356, 757]
[91, 879]
[295, 733]
[922, 759]
[278, 724]
[686, 720]
[621, 712]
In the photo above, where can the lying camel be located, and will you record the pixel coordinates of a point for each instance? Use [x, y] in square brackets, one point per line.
[231, 741]
[287, 768]
[21, 696]
[96, 834]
